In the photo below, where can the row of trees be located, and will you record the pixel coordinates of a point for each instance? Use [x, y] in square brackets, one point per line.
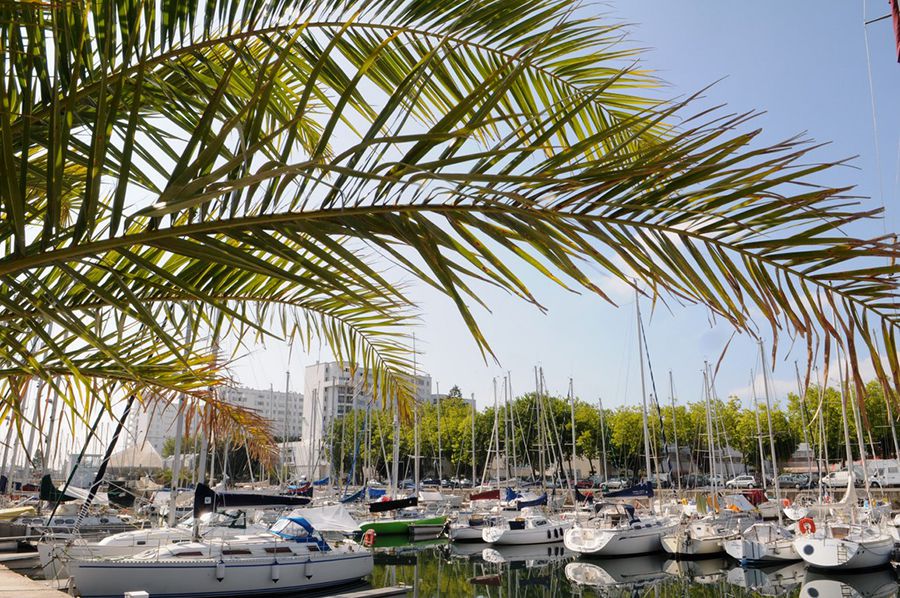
[734, 425]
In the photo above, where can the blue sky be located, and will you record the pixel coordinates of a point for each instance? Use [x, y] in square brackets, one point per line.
[803, 64]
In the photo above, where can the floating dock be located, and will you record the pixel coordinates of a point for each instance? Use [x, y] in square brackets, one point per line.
[14, 585]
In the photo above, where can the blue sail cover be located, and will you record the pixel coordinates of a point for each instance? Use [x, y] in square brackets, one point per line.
[358, 495]
[377, 492]
[639, 490]
[512, 495]
[540, 500]
[323, 482]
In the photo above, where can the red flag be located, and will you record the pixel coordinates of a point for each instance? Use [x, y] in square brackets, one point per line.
[895, 10]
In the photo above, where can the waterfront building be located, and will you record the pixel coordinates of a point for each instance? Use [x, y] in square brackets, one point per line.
[155, 421]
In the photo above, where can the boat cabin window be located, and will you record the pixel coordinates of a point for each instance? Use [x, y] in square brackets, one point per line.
[190, 553]
[235, 551]
[279, 550]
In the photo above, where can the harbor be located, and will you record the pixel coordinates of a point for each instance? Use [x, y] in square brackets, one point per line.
[449, 298]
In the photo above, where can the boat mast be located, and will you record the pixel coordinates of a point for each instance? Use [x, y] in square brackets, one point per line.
[603, 437]
[847, 447]
[537, 399]
[284, 439]
[572, 403]
[709, 433]
[415, 417]
[496, 435]
[674, 429]
[474, 467]
[440, 452]
[395, 465]
[762, 358]
[512, 425]
[762, 454]
[859, 438]
[637, 306]
[801, 393]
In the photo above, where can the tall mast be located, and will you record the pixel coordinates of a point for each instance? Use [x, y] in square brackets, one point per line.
[762, 454]
[572, 403]
[801, 394]
[674, 429]
[637, 306]
[762, 358]
[512, 426]
[859, 437]
[505, 428]
[440, 452]
[474, 467]
[537, 398]
[603, 437]
[284, 438]
[709, 431]
[847, 446]
[395, 465]
[496, 435]
[415, 417]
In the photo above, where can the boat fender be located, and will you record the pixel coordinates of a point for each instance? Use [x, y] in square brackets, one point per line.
[276, 572]
[306, 569]
[220, 570]
[369, 538]
[806, 526]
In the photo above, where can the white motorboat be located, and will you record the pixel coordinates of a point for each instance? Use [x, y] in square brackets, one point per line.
[619, 532]
[55, 556]
[527, 529]
[845, 547]
[775, 580]
[470, 529]
[291, 557]
[763, 543]
[700, 537]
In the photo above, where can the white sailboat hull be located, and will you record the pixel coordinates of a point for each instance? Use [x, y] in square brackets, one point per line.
[755, 551]
[833, 553]
[199, 578]
[465, 533]
[685, 545]
[547, 534]
[615, 542]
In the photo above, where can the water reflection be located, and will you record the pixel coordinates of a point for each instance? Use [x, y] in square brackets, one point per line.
[775, 580]
[871, 584]
[545, 571]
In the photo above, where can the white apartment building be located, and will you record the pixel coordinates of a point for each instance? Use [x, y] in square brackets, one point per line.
[331, 390]
[155, 422]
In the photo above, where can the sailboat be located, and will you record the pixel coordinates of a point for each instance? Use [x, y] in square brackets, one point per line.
[291, 557]
[616, 530]
[845, 546]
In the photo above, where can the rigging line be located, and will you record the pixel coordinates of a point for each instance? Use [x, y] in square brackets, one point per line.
[874, 115]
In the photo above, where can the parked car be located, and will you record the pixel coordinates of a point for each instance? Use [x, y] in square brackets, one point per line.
[431, 482]
[616, 483]
[839, 479]
[695, 480]
[793, 480]
[717, 480]
[742, 481]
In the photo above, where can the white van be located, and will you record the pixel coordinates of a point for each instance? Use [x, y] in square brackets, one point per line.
[883, 472]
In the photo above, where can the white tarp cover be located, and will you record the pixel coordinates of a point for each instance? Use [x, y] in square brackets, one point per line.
[136, 457]
[426, 496]
[333, 518]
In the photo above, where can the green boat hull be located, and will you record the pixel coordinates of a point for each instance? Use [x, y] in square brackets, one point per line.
[389, 527]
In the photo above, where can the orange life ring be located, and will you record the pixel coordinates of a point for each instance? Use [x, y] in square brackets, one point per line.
[369, 538]
[785, 502]
[806, 526]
